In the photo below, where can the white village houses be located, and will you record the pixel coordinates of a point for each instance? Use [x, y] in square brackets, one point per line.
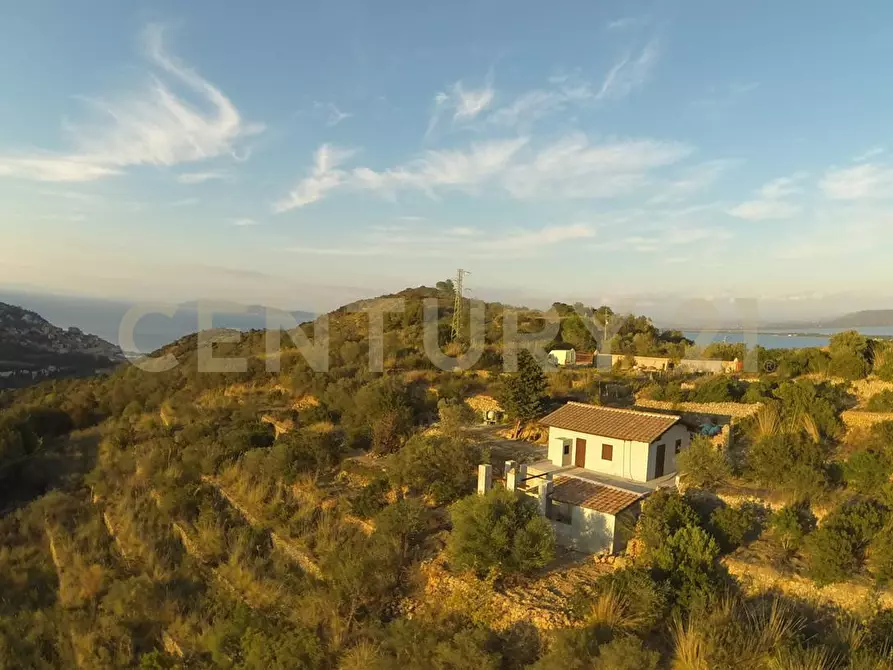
[602, 462]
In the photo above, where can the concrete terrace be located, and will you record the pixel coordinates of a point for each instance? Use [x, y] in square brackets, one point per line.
[644, 488]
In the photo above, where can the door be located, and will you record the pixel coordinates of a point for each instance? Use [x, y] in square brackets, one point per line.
[580, 453]
[659, 459]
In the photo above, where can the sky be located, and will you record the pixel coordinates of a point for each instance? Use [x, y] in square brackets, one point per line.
[305, 154]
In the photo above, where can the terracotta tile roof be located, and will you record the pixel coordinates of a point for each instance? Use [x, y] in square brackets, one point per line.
[592, 496]
[621, 424]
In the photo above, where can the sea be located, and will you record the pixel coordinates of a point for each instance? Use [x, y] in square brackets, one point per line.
[781, 339]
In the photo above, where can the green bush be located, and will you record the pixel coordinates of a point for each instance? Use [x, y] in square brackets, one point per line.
[663, 513]
[500, 533]
[688, 560]
[790, 525]
[442, 467]
[371, 498]
[703, 465]
[868, 472]
[791, 462]
[836, 550]
[733, 526]
[880, 554]
[626, 653]
[718, 388]
[880, 402]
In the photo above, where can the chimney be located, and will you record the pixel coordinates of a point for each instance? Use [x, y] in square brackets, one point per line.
[485, 478]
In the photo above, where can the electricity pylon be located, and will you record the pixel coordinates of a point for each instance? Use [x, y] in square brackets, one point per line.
[457, 304]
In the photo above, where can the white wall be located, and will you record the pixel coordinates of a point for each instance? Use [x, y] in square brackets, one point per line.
[631, 460]
[589, 531]
[563, 356]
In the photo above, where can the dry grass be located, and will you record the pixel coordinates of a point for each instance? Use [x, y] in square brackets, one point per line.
[611, 611]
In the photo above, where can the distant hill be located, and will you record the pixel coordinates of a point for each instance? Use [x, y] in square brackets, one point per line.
[33, 349]
[869, 318]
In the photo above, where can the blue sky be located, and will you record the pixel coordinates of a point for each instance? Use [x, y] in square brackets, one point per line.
[305, 154]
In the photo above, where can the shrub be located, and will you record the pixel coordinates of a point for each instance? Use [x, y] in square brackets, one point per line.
[441, 467]
[500, 533]
[717, 389]
[790, 525]
[524, 391]
[792, 462]
[626, 653]
[371, 499]
[881, 402]
[703, 465]
[688, 560]
[835, 551]
[733, 526]
[663, 513]
[868, 471]
[880, 555]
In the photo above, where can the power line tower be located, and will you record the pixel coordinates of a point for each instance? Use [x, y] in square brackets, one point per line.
[457, 304]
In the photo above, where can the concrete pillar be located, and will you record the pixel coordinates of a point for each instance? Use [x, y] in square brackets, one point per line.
[485, 478]
[545, 498]
[511, 479]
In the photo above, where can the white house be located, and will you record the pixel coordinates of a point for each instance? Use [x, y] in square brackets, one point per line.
[563, 356]
[602, 462]
[622, 443]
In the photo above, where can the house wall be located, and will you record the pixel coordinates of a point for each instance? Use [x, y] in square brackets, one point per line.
[589, 531]
[563, 356]
[677, 432]
[631, 460]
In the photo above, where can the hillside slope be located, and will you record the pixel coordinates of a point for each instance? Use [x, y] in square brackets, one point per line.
[32, 349]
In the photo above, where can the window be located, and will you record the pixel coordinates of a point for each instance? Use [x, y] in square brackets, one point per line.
[678, 446]
[607, 452]
[567, 448]
[561, 512]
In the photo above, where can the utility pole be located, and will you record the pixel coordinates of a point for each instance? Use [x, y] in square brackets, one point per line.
[457, 304]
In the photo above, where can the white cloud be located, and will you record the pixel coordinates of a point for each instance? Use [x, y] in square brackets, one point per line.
[624, 22]
[463, 231]
[570, 167]
[442, 169]
[761, 210]
[870, 153]
[628, 74]
[868, 181]
[771, 203]
[324, 177]
[334, 116]
[549, 235]
[153, 127]
[573, 168]
[200, 177]
[464, 105]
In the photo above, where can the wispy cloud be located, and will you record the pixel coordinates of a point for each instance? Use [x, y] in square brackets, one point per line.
[243, 223]
[868, 181]
[870, 153]
[334, 116]
[200, 177]
[717, 99]
[625, 22]
[153, 127]
[324, 177]
[629, 73]
[574, 168]
[771, 202]
[436, 170]
[461, 103]
[570, 167]
[463, 231]
[549, 235]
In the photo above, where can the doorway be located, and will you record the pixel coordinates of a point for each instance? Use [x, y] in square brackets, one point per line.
[659, 459]
[580, 453]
